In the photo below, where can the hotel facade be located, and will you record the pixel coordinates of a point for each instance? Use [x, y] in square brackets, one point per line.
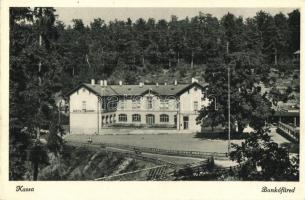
[94, 107]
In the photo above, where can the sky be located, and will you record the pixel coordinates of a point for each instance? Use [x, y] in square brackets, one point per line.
[66, 14]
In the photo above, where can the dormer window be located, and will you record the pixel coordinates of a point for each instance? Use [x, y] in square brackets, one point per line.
[149, 103]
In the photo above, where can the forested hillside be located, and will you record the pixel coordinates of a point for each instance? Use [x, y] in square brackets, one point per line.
[129, 50]
[47, 56]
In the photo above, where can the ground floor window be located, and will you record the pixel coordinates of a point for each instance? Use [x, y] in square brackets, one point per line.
[175, 119]
[185, 122]
[150, 119]
[164, 118]
[136, 118]
[123, 118]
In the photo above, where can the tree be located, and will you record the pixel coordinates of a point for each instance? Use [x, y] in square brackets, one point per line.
[262, 159]
[247, 105]
[294, 28]
[31, 87]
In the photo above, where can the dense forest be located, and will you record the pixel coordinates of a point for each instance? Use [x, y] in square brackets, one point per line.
[47, 57]
[125, 49]
[129, 49]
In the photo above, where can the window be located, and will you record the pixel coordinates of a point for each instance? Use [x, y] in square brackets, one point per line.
[150, 119]
[84, 106]
[122, 118]
[136, 104]
[195, 105]
[175, 119]
[149, 103]
[112, 105]
[164, 118]
[122, 104]
[136, 118]
[164, 104]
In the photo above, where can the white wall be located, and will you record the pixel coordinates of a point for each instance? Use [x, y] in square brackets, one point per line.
[187, 100]
[81, 95]
[83, 122]
[188, 97]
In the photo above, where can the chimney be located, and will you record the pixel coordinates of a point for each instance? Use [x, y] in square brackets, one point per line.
[175, 82]
[120, 83]
[141, 84]
[105, 82]
[101, 83]
[194, 80]
[165, 83]
[92, 82]
[157, 84]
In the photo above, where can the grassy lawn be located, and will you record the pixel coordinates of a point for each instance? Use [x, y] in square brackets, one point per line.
[181, 141]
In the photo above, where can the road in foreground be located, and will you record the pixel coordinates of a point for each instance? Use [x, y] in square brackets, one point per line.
[183, 142]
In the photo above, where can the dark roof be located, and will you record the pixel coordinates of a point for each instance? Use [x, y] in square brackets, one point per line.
[286, 114]
[121, 90]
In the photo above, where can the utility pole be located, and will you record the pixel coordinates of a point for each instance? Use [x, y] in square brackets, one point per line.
[229, 106]
[229, 114]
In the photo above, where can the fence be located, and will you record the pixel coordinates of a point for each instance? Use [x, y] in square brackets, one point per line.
[130, 154]
[292, 132]
[197, 154]
[154, 173]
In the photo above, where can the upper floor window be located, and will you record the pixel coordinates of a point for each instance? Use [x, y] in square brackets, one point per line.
[164, 118]
[149, 103]
[136, 118]
[164, 104]
[123, 118]
[112, 105]
[136, 104]
[122, 104]
[84, 106]
[195, 105]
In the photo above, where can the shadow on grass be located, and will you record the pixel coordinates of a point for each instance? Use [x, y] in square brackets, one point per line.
[220, 135]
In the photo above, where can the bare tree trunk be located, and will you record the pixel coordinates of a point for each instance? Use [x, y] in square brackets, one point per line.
[192, 60]
[143, 61]
[178, 58]
[227, 47]
[103, 57]
[169, 63]
[39, 85]
[275, 56]
[39, 64]
[35, 171]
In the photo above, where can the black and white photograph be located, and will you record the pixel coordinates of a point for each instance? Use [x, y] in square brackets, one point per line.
[154, 94]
